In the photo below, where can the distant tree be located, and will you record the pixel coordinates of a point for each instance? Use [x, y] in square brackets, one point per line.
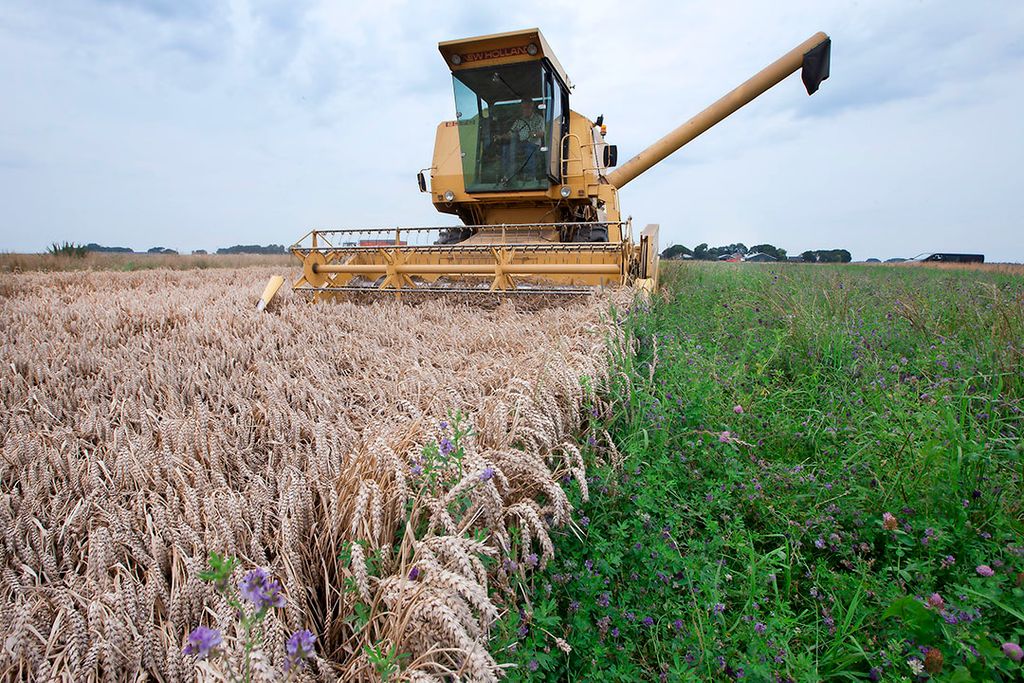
[66, 249]
[199, 252]
[827, 256]
[253, 249]
[701, 251]
[161, 250]
[773, 251]
[676, 251]
[727, 250]
[92, 246]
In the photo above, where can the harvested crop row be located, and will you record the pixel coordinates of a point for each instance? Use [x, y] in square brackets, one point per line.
[152, 418]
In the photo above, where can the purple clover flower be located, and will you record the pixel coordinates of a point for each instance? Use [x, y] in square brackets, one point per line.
[298, 647]
[984, 570]
[532, 560]
[648, 621]
[261, 589]
[203, 641]
[718, 608]
[414, 573]
[1013, 651]
[760, 628]
[446, 446]
[487, 474]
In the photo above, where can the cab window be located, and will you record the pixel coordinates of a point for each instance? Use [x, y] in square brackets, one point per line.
[504, 117]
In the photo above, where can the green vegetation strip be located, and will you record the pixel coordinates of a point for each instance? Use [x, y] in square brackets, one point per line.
[822, 481]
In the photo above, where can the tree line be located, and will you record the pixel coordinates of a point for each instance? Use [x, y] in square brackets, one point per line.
[702, 252]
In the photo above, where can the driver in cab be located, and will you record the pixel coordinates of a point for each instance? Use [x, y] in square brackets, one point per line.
[524, 139]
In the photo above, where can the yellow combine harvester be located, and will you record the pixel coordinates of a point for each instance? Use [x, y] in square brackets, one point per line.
[530, 180]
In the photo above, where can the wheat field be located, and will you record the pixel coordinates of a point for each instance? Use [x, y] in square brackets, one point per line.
[152, 417]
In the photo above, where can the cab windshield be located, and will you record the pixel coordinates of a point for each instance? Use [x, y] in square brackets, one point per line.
[509, 119]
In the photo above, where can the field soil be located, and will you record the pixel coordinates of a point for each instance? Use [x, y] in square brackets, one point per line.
[151, 418]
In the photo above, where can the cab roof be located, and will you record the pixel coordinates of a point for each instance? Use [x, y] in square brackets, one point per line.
[500, 48]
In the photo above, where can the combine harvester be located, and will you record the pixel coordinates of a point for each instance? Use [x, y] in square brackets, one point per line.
[531, 181]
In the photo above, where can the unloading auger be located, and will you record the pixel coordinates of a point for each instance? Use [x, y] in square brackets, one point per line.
[531, 181]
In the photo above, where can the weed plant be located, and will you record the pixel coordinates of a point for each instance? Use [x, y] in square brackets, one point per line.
[822, 481]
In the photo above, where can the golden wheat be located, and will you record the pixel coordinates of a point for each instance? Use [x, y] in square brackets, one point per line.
[150, 418]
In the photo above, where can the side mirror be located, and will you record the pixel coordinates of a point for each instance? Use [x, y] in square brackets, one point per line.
[611, 156]
[421, 181]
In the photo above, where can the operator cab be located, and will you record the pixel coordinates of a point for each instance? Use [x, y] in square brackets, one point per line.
[511, 109]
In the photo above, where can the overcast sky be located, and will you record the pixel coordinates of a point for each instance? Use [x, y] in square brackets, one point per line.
[193, 125]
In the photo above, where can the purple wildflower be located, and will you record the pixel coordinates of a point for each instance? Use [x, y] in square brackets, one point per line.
[760, 628]
[446, 446]
[417, 470]
[889, 522]
[1013, 651]
[603, 600]
[935, 600]
[487, 474]
[531, 560]
[574, 606]
[414, 573]
[615, 632]
[648, 621]
[724, 437]
[984, 570]
[678, 624]
[203, 641]
[738, 409]
[584, 521]
[261, 589]
[298, 647]
[533, 665]
[948, 561]
[718, 608]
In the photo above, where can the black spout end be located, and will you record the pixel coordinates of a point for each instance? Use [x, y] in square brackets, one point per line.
[816, 65]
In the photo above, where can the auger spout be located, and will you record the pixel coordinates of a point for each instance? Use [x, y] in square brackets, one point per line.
[812, 56]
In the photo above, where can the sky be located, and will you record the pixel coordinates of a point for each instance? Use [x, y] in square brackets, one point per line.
[195, 124]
